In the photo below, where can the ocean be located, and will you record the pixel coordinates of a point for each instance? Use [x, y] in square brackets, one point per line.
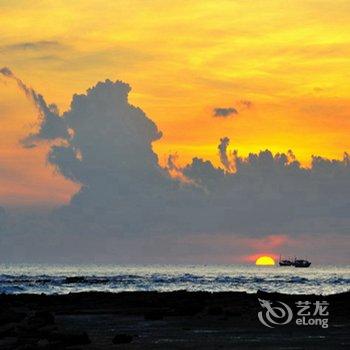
[63, 279]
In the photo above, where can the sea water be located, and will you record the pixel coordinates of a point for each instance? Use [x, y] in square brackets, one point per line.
[56, 279]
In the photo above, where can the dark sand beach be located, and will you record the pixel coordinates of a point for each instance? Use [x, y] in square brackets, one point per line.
[172, 320]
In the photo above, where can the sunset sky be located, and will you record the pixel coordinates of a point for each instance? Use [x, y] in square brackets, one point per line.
[213, 77]
[290, 60]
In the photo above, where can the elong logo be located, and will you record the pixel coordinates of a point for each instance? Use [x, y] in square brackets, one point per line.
[278, 313]
[274, 315]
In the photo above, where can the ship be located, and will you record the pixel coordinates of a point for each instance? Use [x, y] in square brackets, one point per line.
[301, 263]
[284, 262]
[296, 262]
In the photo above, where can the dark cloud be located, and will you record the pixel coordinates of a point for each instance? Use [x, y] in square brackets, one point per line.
[246, 104]
[51, 125]
[224, 158]
[224, 112]
[47, 58]
[171, 162]
[227, 112]
[2, 220]
[110, 140]
[274, 193]
[108, 151]
[106, 147]
[32, 45]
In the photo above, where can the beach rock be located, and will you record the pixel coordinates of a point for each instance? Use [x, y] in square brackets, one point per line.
[154, 315]
[122, 338]
[35, 346]
[11, 316]
[8, 330]
[48, 329]
[8, 343]
[43, 343]
[215, 310]
[233, 312]
[70, 338]
[40, 319]
[46, 316]
[188, 309]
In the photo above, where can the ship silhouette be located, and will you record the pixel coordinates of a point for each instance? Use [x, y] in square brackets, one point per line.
[296, 262]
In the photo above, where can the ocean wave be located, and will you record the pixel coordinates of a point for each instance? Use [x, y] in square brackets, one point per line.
[250, 280]
[158, 279]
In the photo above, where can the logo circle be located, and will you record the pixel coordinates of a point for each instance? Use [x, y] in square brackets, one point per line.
[273, 315]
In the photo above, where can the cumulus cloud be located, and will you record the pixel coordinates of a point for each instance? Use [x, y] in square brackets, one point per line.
[51, 126]
[107, 148]
[109, 144]
[274, 193]
[171, 162]
[224, 158]
[109, 152]
[175, 170]
[224, 112]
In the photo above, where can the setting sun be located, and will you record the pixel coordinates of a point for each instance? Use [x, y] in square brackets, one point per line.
[265, 260]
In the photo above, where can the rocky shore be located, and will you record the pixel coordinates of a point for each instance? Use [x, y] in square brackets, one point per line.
[174, 320]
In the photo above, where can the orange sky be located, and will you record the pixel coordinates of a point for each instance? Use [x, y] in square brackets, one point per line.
[182, 59]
